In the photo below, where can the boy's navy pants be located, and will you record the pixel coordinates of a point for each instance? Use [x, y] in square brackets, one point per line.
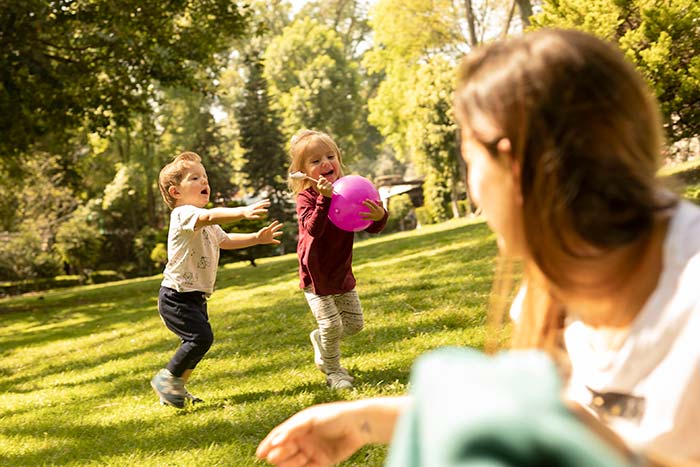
[185, 314]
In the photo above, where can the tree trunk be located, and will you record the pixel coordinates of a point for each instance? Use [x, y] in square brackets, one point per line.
[509, 18]
[525, 7]
[470, 23]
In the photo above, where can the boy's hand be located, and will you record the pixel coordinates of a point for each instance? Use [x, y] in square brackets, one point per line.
[270, 233]
[376, 211]
[256, 210]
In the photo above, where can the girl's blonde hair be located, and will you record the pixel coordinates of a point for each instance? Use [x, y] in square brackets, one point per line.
[173, 173]
[585, 130]
[299, 145]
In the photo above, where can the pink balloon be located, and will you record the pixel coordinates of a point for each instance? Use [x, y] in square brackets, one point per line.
[346, 204]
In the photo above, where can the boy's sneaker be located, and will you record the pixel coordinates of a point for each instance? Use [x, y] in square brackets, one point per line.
[188, 397]
[338, 381]
[192, 398]
[315, 337]
[170, 388]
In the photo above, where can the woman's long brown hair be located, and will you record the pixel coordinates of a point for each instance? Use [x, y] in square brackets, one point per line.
[585, 131]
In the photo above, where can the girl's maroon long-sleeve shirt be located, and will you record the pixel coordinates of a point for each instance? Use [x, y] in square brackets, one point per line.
[324, 250]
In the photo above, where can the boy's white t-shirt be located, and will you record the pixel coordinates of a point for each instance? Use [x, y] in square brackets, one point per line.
[193, 255]
[644, 381]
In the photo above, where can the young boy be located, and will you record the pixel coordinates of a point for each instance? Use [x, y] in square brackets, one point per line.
[194, 240]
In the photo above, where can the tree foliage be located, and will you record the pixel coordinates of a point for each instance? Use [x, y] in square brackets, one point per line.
[262, 140]
[348, 18]
[65, 64]
[662, 38]
[312, 82]
[432, 134]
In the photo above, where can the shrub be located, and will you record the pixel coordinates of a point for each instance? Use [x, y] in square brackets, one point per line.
[144, 243]
[400, 208]
[423, 217]
[23, 256]
[159, 255]
[78, 242]
[100, 277]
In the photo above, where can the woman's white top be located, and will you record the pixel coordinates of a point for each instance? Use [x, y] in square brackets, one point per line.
[644, 381]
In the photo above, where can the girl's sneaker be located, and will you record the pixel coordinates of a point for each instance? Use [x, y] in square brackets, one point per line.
[315, 337]
[170, 388]
[338, 381]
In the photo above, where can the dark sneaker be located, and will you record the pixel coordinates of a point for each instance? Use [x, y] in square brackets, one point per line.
[315, 337]
[188, 397]
[192, 398]
[170, 388]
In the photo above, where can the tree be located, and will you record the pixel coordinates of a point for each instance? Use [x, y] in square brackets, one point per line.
[661, 38]
[65, 64]
[312, 83]
[432, 137]
[262, 140]
[349, 19]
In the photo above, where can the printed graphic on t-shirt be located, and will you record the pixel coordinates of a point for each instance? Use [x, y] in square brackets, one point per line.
[610, 405]
[204, 262]
[187, 278]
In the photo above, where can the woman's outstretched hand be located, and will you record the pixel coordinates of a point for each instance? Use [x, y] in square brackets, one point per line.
[326, 434]
[321, 435]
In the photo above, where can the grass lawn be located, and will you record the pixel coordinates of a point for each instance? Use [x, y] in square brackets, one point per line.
[74, 383]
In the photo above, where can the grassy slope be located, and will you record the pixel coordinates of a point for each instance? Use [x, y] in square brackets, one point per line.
[74, 382]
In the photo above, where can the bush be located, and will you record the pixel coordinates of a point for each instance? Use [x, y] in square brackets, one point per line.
[464, 207]
[143, 245]
[423, 216]
[159, 255]
[436, 196]
[100, 277]
[400, 208]
[79, 242]
[23, 257]
[36, 285]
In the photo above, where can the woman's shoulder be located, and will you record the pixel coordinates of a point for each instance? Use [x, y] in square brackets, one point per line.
[682, 244]
[685, 225]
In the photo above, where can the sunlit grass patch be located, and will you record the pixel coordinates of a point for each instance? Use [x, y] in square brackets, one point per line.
[77, 362]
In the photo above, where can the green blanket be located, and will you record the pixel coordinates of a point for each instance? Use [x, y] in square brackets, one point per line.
[474, 410]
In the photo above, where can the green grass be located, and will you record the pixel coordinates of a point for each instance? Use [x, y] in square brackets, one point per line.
[76, 363]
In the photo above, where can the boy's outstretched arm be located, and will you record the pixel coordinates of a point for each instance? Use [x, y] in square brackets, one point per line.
[223, 215]
[266, 235]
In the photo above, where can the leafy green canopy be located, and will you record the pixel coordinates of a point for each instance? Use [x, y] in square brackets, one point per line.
[65, 64]
[312, 83]
[661, 37]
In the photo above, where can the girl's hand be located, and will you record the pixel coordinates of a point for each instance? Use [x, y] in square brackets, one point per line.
[324, 187]
[376, 211]
[256, 210]
[321, 435]
[270, 233]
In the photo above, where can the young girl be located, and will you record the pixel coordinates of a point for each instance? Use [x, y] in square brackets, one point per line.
[562, 138]
[325, 251]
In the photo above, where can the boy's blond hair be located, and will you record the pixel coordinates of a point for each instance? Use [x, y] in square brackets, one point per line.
[172, 174]
[298, 146]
